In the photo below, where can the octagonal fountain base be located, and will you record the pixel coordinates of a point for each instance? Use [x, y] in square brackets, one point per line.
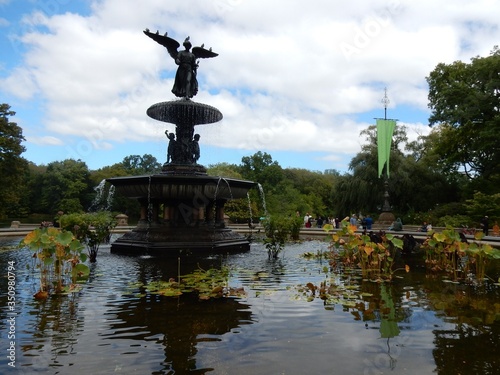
[171, 241]
[180, 214]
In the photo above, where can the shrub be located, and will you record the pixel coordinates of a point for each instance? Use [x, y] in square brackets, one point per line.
[277, 231]
[92, 229]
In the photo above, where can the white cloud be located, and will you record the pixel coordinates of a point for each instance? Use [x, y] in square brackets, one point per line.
[46, 141]
[290, 76]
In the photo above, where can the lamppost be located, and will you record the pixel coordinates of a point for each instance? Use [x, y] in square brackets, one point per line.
[385, 129]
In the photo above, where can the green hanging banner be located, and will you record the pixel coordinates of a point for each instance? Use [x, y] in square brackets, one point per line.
[385, 129]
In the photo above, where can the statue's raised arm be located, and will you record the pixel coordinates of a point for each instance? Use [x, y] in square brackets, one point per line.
[186, 84]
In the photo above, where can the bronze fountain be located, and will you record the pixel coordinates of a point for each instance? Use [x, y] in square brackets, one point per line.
[182, 208]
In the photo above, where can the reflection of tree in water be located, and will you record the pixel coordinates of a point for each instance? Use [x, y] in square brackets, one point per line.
[473, 345]
[468, 350]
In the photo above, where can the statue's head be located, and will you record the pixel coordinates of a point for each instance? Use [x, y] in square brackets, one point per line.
[187, 44]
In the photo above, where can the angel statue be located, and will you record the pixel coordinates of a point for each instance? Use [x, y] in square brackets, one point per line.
[185, 84]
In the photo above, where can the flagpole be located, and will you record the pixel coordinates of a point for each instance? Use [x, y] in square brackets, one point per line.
[386, 216]
[386, 206]
[385, 101]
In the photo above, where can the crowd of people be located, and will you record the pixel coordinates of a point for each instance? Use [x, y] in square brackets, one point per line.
[366, 223]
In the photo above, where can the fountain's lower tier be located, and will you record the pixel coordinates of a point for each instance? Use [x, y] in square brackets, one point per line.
[180, 214]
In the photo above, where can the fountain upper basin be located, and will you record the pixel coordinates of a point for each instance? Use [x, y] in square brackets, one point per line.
[186, 112]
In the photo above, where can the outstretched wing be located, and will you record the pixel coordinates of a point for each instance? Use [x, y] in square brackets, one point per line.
[170, 44]
[202, 53]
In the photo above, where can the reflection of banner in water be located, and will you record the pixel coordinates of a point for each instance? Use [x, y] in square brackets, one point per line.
[385, 129]
[388, 322]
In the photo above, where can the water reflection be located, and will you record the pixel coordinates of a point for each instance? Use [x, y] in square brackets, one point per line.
[416, 325]
[464, 349]
[179, 324]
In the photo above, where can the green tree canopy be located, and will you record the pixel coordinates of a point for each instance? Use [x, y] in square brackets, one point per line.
[415, 184]
[261, 168]
[224, 170]
[66, 186]
[137, 165]
[12, 166]
[465, 100]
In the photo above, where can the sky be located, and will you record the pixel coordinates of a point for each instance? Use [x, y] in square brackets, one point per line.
[298, 80]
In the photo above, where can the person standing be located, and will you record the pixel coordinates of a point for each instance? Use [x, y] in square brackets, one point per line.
[319, 222]
[368, 222]
[485, 225]
[353, 220]
[306, 218]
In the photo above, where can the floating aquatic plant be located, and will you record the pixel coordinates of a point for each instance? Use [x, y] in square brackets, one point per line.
[207, 284]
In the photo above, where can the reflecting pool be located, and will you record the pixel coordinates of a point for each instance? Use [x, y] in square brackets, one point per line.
[280, 322]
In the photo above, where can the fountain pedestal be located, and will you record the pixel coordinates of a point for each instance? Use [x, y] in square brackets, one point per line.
[182, 208]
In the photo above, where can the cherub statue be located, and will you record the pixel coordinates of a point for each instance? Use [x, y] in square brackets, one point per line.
[186, 84]
[195, 148]
[171, 154]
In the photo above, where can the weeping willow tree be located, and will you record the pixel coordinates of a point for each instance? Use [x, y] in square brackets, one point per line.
[416, 184]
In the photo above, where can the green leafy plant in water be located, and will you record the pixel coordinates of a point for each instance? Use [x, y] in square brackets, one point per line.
[331, 292]
[277, 231]
[208, 284]
[443, 250]
[479, 255]
[59, 256]
[295, 224]
[446, 252]
[353, 249]
[318, 255]
[92, 229]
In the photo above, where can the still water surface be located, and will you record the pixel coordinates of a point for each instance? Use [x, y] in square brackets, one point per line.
[416, 325]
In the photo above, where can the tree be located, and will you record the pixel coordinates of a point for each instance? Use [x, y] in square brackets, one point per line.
[482, 204]
[313, 189]
[415, 184]
[261, 168]
[224, 170]
[12, 166]
[138, 165]
[115, 170]
[465, 100]
[66, 186]
[35, 187]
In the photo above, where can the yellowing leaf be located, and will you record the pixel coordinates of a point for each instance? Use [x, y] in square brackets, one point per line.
[368, 250]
